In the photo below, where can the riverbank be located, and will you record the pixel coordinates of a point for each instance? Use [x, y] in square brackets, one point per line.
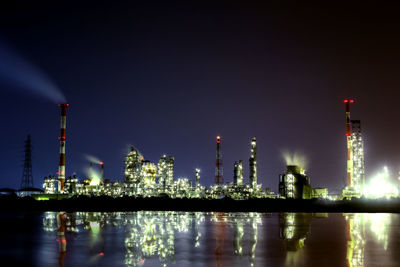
[225, 204]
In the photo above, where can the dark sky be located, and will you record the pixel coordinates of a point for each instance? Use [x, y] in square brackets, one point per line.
[168, 77]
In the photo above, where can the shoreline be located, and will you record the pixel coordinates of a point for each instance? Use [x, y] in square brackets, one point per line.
[104, 204]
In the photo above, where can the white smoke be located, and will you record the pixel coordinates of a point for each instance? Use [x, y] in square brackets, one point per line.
[18, 73]
[295, 158]
[94, 175]
[92, 159]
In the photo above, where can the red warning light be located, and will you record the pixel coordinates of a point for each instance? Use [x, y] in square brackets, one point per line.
[345, 101]
[352, 101]
[101, 163]
[101, 253]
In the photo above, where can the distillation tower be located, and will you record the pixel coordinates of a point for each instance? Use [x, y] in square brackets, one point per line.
[238, 173]
[253, 164]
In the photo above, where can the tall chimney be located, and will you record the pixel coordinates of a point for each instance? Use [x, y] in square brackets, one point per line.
[218, 165]
[61, 166]
[90, 170]
[349, 144]
[102, 170]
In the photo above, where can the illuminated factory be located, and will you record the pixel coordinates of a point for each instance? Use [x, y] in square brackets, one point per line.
[147, 179]
[143, 178]
[295, 184]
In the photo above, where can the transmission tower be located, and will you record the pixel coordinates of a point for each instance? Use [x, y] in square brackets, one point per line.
[27, 178]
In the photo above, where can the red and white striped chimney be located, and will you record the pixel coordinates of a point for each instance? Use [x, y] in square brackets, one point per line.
[61, 166]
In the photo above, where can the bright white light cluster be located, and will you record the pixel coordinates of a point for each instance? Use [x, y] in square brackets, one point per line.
[380, 186]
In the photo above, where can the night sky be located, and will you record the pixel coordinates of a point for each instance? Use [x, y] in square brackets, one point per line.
[168, 77]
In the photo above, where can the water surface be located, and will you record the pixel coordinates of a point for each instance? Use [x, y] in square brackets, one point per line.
[149, 238]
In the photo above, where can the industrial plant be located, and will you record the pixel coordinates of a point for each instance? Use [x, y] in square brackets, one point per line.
[143, 178]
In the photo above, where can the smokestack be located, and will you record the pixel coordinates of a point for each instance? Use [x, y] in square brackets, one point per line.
[218, 165]
[349, 144]
[102, 170]
[61, 166]
[90, 170]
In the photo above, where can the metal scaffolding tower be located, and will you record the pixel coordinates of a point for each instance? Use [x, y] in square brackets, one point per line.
[27, 177]
[358, 156]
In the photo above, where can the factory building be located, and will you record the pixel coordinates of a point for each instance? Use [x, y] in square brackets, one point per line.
[133, 165]
[141, 175]
[162, 171]
[143, 178]
[295, 183]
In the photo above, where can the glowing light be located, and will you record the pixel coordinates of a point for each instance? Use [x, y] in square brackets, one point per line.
[95, 227]
[379, 226]
[381, 186]
[95, 181]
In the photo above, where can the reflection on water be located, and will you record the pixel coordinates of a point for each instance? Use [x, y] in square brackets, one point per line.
[356, 224]
[355, 234]
[157, 238]
[152, 233]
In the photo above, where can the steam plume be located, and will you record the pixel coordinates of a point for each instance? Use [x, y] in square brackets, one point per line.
[93, 159]
[18, 73]
[295, 158]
